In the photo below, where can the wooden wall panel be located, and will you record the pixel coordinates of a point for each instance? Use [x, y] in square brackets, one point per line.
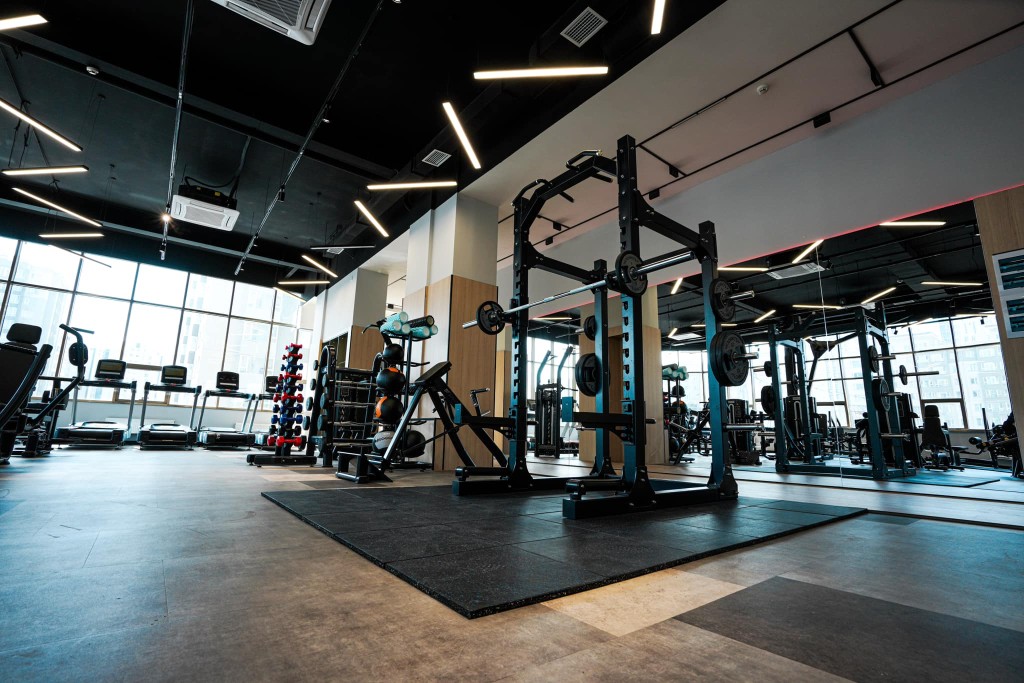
[1001, 225]
[362, 348]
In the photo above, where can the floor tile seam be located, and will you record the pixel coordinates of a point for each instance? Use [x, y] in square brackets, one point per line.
[98, 634]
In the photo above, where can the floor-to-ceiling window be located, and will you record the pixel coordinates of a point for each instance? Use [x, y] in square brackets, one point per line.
[148, 316]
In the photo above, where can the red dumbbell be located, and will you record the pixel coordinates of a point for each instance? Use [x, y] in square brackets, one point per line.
[293, 347]
[272, 440]
[288, 397]
[291, 355]
[289, 375]
[299, 441]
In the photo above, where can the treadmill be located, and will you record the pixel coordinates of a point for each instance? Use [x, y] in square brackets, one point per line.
[169, 434]
[226, 437]
[100, 433]
[269, 389]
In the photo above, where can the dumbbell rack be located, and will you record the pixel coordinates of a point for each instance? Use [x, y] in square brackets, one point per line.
[341, 411]
[286, 430]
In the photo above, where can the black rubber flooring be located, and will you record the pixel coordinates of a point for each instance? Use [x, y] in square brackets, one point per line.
[485, 554]
[862, 638]
[922, 477]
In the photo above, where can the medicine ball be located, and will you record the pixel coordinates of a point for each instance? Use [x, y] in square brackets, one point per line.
[678, 391]
[415, 444]
[381, 440]
[392, 353]
[391, 381]
[388, 410]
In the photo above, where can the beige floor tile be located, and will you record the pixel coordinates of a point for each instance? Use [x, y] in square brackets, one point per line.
[628, 606]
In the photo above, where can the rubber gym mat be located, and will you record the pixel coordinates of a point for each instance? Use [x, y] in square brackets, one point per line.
[828, 629]
[485, 554]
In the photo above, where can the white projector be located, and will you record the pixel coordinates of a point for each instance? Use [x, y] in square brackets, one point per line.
[298, 19]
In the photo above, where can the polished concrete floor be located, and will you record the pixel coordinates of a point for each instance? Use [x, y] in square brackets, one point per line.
[170, 566]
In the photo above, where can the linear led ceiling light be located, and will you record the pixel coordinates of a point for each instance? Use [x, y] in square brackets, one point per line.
[913, 224]
[285, 291]
[817, 306]
[70, 235]
[744, 269]
[319, 265]
[544, 72]
[58, 207]
[342, 247]
[304, 282]
[767, 315]
[370, 217]
[677, 285]
[21, 22]
[45, 170]
[673, 332]
[942, 283]
[878, 296]
[426, 185]
[11, 109]
[463, 138]
[808, 250]
[658, 17]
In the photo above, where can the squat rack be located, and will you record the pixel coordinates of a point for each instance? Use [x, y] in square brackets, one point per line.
[633, 489]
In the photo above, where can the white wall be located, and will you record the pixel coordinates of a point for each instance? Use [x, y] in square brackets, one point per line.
[358, 299]
[952, 141]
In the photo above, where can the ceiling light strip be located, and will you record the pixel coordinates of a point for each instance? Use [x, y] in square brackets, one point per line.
[878, 296]
[45, 170]
[544, 72]
[744, 269]
[673, 332]
[658, 17]
[913, 224]
[45, 130]
[677, 285]
[69, 235]
[319, 265]
[370, 217]
[461, 133]
[818, 306]
[293, 294]
[944, 283]
[808, 250]
[304, 282]
[58, 207]
[766, 315]
[426, 185]
[21, 22]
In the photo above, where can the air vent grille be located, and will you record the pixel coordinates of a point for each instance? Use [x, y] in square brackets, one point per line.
[582, 28]
[795, 271]
[286, 11]
[436, 158]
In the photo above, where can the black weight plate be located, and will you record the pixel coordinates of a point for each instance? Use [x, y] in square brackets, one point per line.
[316, 365]
[880, 394]
[590, 328]
[903, 375]
[324, 401]
[588, 374]
[305, 423]
[488, 317]
[768, 368]
[627, 279]
[721, 304]
[768, 401]
[873, 359]
[728, 369]
[312, 384]
[309, 403]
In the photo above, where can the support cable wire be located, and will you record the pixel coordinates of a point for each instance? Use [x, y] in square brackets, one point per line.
[179, 104]
[317, 120]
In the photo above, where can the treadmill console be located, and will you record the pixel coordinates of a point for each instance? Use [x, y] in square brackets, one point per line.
[270, 386]
[227, 381]
[111, 370]
[174, 375]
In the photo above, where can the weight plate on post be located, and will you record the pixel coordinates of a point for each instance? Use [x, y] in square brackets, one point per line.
[305, 423]
[873, 359]
[309, 403]
[903, 375]
[727, 361]
[627, 279]
[588, 374]
[489, 317]
[768, 369]
[768, 400]
[312, 384]
[590, 328]
[880, 394]
[721, 304]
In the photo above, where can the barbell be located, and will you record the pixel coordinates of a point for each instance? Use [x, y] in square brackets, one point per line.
[903, 374]
[629, 276]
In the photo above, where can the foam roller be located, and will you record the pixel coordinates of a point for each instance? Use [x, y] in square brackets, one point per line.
[423, 332]
[395, 327]
[400, 317]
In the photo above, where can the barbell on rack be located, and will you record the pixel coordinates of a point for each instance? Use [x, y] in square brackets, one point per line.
[628, 277]
[904, 375]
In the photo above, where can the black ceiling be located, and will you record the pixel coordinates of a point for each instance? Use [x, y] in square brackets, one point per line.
[245, 82]
[857, 265]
